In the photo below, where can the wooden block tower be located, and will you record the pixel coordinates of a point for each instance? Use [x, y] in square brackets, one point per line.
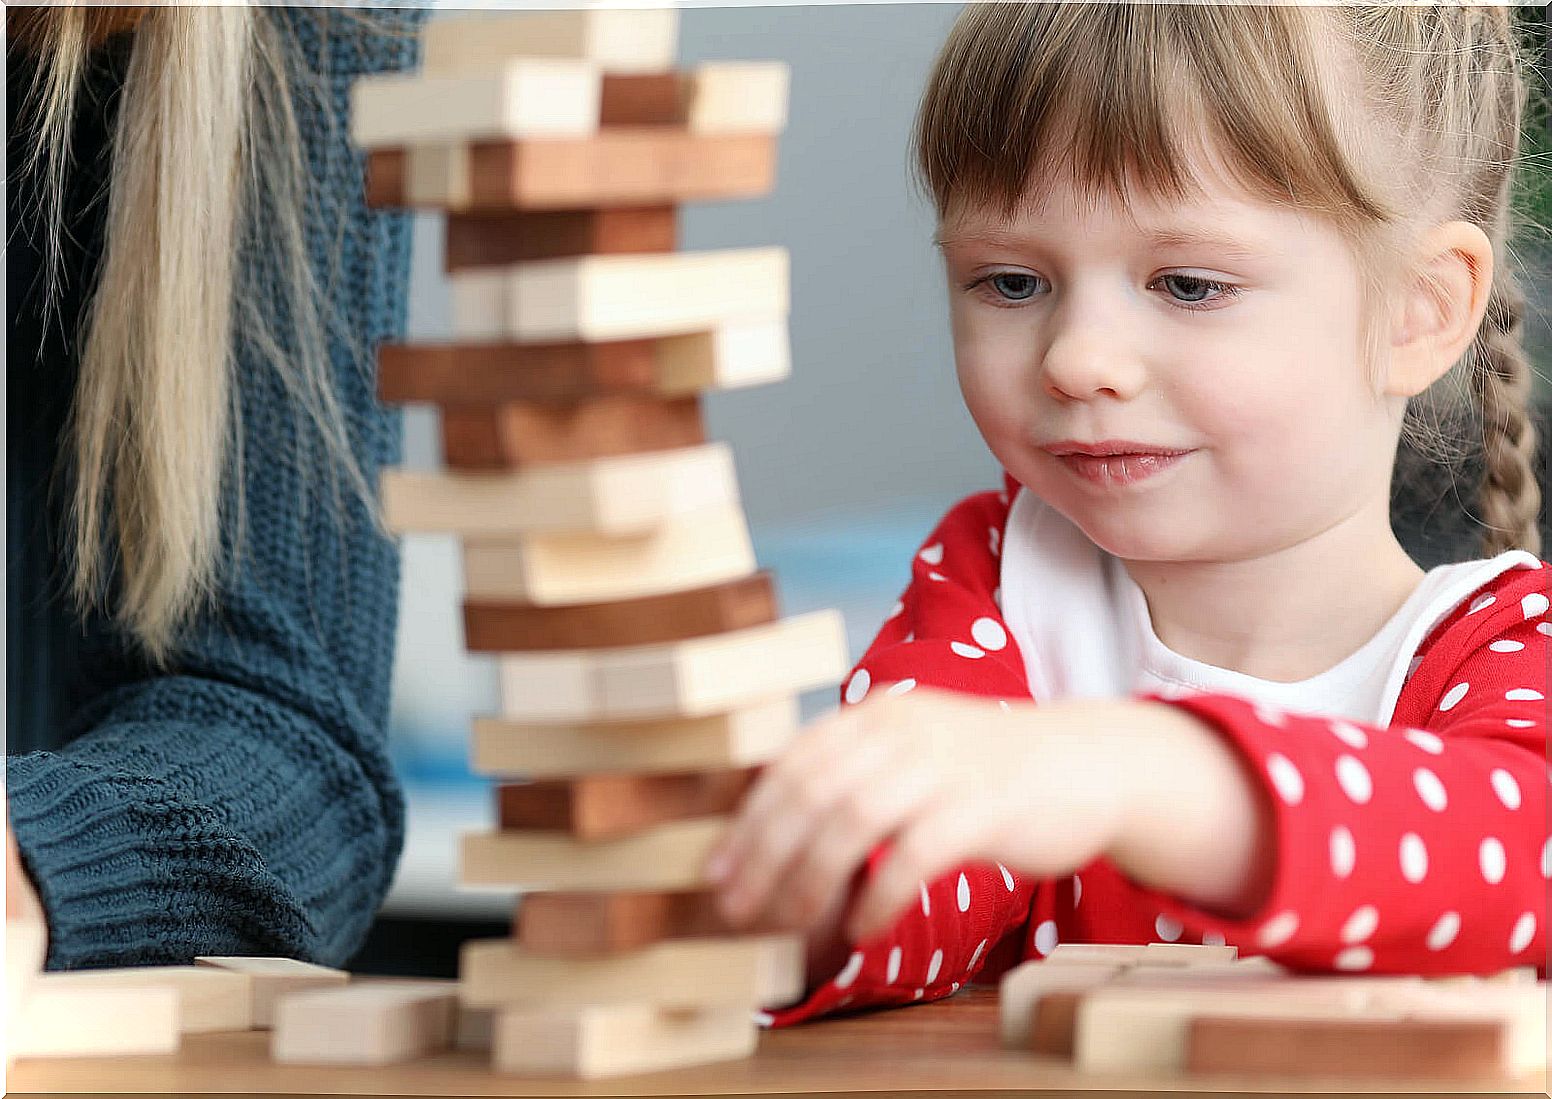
[644, 668]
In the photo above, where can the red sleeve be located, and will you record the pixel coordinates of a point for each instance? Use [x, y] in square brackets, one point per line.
[946, 632]
[1421, 848]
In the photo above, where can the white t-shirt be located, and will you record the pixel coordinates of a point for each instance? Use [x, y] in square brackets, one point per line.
[1083, 627]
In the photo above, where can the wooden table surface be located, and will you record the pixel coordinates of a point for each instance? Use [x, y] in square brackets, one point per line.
[948, 1046]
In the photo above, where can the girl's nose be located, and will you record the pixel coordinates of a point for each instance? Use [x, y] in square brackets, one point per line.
[1077, 368]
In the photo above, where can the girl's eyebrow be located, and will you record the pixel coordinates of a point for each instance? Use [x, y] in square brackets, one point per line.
[1238, 246]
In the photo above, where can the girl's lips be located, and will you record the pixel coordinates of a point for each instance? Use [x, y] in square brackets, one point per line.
[1119, 470]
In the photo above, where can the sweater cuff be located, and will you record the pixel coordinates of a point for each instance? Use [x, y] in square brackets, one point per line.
[105, 851]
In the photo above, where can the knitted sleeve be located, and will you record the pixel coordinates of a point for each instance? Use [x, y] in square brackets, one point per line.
[243, 803]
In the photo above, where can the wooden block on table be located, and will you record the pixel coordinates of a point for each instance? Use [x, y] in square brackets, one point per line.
[694, 550]
[522, 98]
[653, 619]
[722, 97]
[615, 1040]
[1028, 994]
[616, 40]
[730, 356]
[744, 737]
[522, 434]
[583, 924]
[670, 856]
[682, 678]
[1187, 954]
[62, 1018]
[631, 495]
[748, 971]
[208, 999]
[1120, 954]
[600, 807]
[619, 297]
[273, 978]
[370, 1023]
[484, 240]
[624, 166]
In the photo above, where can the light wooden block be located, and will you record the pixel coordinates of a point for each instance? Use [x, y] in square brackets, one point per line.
[731, 356]
[63, 1018]
[744, 737]
[1119, 954]
[670, 856]
[624, 166]
[619, 297]
[439, 172]
[613, 1041]
[616, 40]
[522, 98]
[763, 971]
[632, 494]
[273, 978]
[208, 999]
[683, 678]
[1023, 988]
[723, 97]
[691, 550]
[369, 1023]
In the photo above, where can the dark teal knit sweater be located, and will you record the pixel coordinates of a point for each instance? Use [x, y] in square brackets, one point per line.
[242, 803]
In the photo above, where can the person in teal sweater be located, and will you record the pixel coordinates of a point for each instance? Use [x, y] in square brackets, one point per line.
[201, 596]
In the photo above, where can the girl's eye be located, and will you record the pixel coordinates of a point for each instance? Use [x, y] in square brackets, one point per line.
[1194, 289]
[1014, 286]
[1189, 291]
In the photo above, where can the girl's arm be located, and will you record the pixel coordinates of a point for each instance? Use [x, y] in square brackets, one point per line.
[244, 803]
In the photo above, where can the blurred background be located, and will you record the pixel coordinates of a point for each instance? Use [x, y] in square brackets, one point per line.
[844, 467]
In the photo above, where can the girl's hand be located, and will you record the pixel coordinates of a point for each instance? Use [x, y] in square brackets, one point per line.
[950, 778]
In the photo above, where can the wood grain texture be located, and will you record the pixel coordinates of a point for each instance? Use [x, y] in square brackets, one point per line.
[599, 807]
[586, 924]
[624, 166]
[518, 434]
[654, 619]
[1436, 1049]
[485, 240]
[615, 1041]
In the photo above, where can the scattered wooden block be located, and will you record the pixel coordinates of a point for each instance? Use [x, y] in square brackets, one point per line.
[1118, 954]
[1029, 994]
[521, 434]
[618, 297]
[654, 619]
[624, 166]
[615, 1040]
[1187, 954]
[208, 999]
[670, 856]
[729, 356]
[64, 1018]
[370, 1023]
[583, 924]
[272, 978]
[763, 970]
[484, 240]
[523, 97]
[691, 550]
[631, 495]
[744, 737]
[616, 40]
[682, 678]
[600, 807]
[723, 97]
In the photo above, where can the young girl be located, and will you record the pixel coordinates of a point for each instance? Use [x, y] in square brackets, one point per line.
[1178, 680]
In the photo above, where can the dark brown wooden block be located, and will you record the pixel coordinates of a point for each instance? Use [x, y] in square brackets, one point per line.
[644, 99]
[485, 374]
[1433, 1049]
[509, 436]
[1054, 1029]
[624, 166]
[483, 240]
[649, 620]
[589, 924]
[599, 807]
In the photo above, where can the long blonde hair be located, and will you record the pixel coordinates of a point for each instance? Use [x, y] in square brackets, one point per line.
[206, 159]
[1422, 125]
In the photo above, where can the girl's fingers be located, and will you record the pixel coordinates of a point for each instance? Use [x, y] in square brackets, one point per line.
[928, 848]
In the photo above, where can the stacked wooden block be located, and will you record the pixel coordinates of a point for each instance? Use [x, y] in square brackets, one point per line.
[644, 668]
[1170, 1008]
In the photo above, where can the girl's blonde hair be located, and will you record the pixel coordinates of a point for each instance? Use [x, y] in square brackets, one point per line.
[1383, 120]
[206, 167]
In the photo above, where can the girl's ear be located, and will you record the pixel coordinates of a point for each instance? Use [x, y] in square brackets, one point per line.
[1442, 307]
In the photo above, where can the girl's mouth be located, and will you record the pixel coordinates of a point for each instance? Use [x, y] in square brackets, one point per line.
[1120, 470]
